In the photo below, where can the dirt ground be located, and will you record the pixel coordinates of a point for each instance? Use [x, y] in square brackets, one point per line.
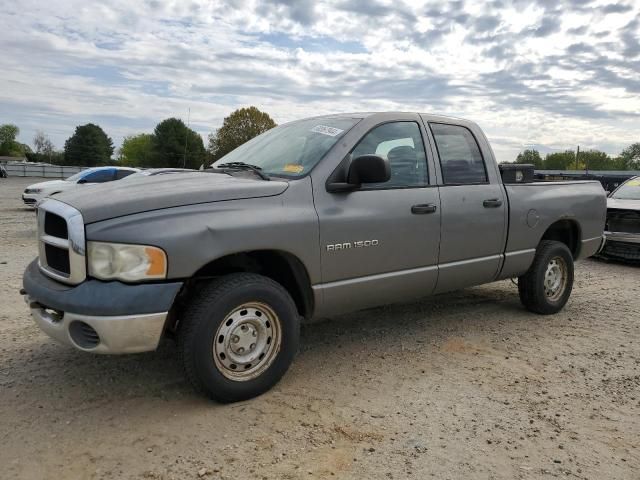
[463, 385]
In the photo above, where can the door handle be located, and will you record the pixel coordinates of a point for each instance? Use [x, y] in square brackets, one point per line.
[423, 208]
[492, 203]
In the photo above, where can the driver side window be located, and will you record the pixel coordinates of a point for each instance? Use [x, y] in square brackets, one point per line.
[400, 143]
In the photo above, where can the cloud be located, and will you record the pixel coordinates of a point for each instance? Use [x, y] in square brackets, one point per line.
[551, 73]
[301, 11]
[486, 23]
[616, 8]
[548, 26]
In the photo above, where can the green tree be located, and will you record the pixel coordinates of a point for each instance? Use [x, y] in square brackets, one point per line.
[238, 128]
[594, 160]
[55, 158]
[176, 145]
[88, 146]
[560, 161]
[630, 157]
[530, 156]
[8, 133]
[137, 150]
[8, 145]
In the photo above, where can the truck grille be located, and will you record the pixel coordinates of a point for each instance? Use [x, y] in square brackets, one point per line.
[58, 258]
[55, 225]
[61, 242]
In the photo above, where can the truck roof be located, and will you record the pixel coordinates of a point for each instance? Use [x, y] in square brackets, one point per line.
[432, 117]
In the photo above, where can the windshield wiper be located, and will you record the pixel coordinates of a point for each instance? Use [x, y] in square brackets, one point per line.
[244, 166]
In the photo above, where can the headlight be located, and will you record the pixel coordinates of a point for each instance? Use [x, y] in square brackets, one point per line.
[33, 190]
[111, 261]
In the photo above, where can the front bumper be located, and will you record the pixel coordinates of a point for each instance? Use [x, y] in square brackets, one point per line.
[623, 237]
[113, 335]
[622, 245]
[100, 317]
[30, 199]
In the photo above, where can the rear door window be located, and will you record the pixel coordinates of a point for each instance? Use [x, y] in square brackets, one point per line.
[460, 159]
[120, 174]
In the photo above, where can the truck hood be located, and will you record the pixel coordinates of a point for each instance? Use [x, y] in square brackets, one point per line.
[116, 199]
[623, 204]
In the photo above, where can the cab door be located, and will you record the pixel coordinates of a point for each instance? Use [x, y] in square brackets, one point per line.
[379, 244]
[473, 207]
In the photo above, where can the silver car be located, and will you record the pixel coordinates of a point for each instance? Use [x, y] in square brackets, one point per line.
[623, 222]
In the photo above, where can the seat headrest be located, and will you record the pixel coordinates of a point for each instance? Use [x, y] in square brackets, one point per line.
[402, 153]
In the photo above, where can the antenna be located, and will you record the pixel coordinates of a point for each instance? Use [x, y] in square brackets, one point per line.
[186, 137]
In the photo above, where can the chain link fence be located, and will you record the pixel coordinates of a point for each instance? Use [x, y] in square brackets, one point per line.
[36, 170]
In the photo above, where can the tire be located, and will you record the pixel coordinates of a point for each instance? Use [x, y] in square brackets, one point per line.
[547, 285]
[237, 336]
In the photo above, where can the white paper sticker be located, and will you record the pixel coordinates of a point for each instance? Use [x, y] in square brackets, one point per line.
[324, 130]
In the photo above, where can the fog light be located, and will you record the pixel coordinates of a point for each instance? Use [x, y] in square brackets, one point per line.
[83, 335]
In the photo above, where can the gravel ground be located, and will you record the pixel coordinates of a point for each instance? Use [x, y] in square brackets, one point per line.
[463, 385]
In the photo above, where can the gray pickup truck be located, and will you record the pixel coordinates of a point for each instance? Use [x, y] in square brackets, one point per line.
[311, 219]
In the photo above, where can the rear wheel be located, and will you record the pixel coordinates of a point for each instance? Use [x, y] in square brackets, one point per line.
[547, 285]
[238, 336]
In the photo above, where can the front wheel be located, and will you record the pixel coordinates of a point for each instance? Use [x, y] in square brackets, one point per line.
[547, 285]
[238, 336]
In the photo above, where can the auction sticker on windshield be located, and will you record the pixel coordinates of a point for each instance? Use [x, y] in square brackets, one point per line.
[324, 130]
[293, 168]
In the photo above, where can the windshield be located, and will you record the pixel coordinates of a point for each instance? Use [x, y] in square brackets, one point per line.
[78, 176]
[629, 190]
[291, 150]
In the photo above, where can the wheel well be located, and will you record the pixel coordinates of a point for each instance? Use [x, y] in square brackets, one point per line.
[567, 232]
[282, 267]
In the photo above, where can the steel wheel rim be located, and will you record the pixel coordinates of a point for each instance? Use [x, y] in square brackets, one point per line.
[555, 278]
[247, 341]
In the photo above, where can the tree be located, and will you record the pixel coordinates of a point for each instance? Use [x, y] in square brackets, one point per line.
[137, 150]
[8, 133]
[43, 145]
[238, 128]
[176, 145]
[55, 158]
[594, 160]
[560, 161]
[630, 157]
[88, 146]
[530, 156]
[8, 145]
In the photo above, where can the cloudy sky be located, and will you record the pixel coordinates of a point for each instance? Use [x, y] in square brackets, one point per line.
[550, 73]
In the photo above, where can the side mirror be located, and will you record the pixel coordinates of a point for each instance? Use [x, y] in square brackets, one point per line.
[82, 180]
[363, 169]
[369, 169]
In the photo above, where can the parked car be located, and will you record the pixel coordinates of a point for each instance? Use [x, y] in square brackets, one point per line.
[622, 229]
[38, 191]
[3, 172]
[308, 220]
